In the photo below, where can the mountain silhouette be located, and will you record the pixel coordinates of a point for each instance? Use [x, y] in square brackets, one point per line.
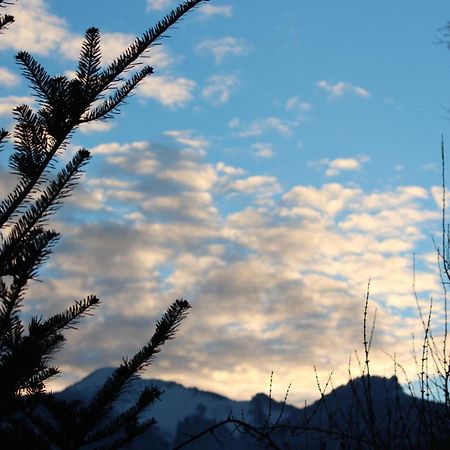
[363, 414]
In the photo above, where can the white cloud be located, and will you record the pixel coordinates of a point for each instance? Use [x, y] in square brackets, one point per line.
[262, 187]
[295, 104]
[229, 170]
[208, 10]
[342, 164]
[8, 78]
[115, 147]
[35, 29]
[185, 137]
[158, 5]
[190, 175]
[219, 88]
[7, 104]
[223, 47]
[187, 205]
[341, 88]
[96, 127]
[329, 200]
[334, 167]
[169, 91]
[297, 262]
[40, 32]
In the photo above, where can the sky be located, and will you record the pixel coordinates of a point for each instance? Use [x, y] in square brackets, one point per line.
[282, 155]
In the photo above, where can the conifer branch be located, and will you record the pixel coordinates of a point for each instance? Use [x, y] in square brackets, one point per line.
[147, 397]
[130, 433]
[37, 75]
[31, 256]
[31, 143]
[13, 203]
[110, 105]
[165, 329]
[5, 20]
[68, 319]
[22, 259]
[58, 92]
[10, 207]
[89, 63]
[3, 136]
[24, 359]
[36, 383]
[45, 205]
[24, 363]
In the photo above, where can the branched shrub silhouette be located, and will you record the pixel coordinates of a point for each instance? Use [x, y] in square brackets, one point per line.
[30, 417]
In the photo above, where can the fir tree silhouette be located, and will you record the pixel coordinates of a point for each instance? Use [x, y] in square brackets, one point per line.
[29, 416]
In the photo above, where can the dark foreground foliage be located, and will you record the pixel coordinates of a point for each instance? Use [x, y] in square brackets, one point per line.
[30, 418]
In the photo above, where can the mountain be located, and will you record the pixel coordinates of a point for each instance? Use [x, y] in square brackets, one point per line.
[340, 419]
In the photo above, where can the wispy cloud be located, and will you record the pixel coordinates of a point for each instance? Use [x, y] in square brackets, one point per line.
[188, 139]
[220, 48]
[96, 127]
[263, 149]
[7, 104]
[296, 104]
[158, 5]
[208, 10]
[8, 78]
[219, 88]
[339, 89]
[261, 126]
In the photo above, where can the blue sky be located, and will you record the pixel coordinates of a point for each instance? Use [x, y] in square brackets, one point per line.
[282, 154]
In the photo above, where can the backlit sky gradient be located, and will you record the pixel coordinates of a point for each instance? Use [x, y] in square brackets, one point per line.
[283, 153]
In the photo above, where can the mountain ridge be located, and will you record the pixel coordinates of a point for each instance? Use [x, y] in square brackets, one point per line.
[342, 413]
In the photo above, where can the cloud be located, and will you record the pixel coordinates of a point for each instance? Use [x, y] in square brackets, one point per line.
[7, 104]
[261, 126]
[8, 78]
[263, 149]
[96, 127]
[262, 188]
[169, 91]
[158, 5]
[229, 170]
[207, 10]
[334, 167]
[41, 32]
[35, 28]
[115, 147]
[295, 104]
[186, 138]
[257, 183]
[339, 89]
[277, 276]
[219, 88]
[220, 48]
